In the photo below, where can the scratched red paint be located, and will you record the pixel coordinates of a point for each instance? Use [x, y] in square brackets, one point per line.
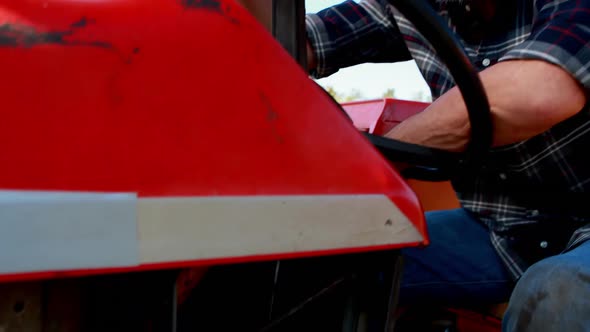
[173, 108]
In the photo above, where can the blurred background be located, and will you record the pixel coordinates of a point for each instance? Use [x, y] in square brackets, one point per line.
[372, 81]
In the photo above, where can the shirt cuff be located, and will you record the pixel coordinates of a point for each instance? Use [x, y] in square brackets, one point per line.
[318, 38]
[552, 53]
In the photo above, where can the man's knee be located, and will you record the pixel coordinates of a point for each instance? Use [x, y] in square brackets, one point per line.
[553, 295]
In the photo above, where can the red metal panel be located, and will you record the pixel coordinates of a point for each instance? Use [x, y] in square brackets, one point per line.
[170, 98]
[381, 115]
[366, 114]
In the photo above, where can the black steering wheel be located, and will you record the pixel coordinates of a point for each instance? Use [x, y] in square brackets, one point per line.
[434, 164]
[428, 164]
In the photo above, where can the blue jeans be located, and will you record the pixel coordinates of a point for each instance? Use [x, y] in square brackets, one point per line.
[553, 295]
[461, 268]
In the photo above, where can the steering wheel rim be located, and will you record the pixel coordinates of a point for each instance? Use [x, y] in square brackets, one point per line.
[445, 163]
[429, 163]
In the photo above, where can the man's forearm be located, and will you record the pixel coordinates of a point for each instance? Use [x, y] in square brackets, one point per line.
[527, 97]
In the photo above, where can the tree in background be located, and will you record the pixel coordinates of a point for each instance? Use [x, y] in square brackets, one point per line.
[421, 96]
[389, 93]
[333, 93]
[353, 95]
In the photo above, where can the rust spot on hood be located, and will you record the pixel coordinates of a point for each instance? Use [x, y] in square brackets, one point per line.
[18, 35]
[203, 4]
[211, 5]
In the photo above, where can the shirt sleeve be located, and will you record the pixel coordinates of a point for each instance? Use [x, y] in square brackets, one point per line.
[560, 35]
[351, 33]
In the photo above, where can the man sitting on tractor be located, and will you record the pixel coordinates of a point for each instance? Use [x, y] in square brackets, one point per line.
[522, 231]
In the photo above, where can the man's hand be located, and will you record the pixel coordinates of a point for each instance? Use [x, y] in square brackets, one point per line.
[527, 97]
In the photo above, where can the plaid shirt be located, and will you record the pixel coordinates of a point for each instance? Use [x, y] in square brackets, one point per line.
[537, 190]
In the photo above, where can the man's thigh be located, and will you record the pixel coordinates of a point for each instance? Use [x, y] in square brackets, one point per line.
[459, 267]
[553, 295]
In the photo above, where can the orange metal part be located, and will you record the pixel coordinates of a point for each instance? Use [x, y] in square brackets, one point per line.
[379, 117]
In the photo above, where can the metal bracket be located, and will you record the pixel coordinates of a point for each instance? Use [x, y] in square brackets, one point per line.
[288, 27]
